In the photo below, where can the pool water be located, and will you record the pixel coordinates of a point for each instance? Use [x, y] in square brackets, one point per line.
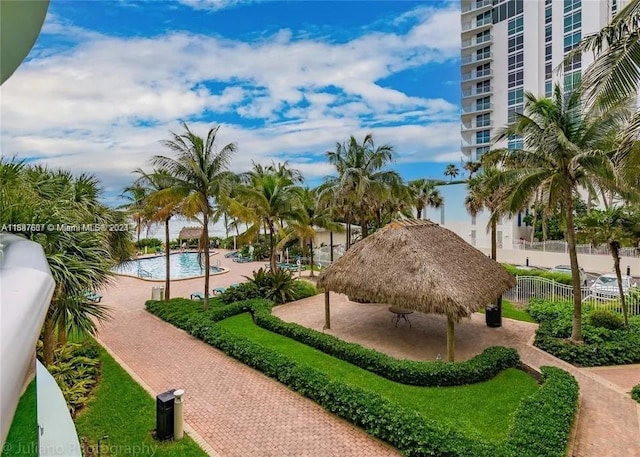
[183, 265]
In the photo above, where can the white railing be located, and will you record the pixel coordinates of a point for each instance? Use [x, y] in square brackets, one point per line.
[528, 287]
[322, 255]
[562, 246]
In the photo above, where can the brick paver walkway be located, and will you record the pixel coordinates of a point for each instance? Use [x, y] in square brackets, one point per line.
[608, 423]
[233, 408]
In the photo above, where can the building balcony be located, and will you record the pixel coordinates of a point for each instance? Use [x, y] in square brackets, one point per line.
[474, 42]
[473, 75]
[474, 108]
[475, 24]
[474, 59]
[474, 144]
[473, 125]
[476, 5]
[475, 91]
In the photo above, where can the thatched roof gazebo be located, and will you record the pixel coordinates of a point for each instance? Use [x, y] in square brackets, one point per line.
[190, 233]
[419, 266]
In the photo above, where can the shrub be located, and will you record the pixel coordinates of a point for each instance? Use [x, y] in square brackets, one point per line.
[635, 393]
[556, 401]
[410, 432]
[563, 278]
[243, 291]
[602, 346]
[76, 373]
[279, 285]
[148, 242]
[605, 319]
[304, 289]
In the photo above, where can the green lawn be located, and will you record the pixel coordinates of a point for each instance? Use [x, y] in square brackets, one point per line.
[124, 411]
[510, 311]
[484, 407]
[23, 435]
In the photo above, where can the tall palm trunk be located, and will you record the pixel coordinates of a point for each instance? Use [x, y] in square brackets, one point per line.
[226, 224]
[494, 239]
[205, 235]
[576, 331]
[311, 256]
[167, 266]
[419, 212]
[535, 222]
[62, 330]
[272, 248]
[363, 227]
[614, 246]
[331, 246]
[348, 233]
[48, 337]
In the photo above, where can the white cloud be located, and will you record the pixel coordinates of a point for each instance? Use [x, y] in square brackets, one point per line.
[215, 5]
[102, 103]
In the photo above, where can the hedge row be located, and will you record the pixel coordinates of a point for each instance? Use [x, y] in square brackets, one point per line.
[563, 278]
[410, 432]
[602, 346]
[635, 393]
[542, 422]
[481, 368]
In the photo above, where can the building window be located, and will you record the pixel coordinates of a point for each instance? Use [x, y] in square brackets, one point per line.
[548, 33]
[571, 81]
[548, 51]
[515, 43]
[547, 15]
[516, 79]
[513, 112]
[515, 97]
[572, 40]
[516, 25]
[483, 103]
[484, 18]
[481, 151]
[574, 64]
[614, 7]
[514, 142]
[548, 70]
[570, 5]
[483, 120]
[515, 61]
[483, 136]
[483, 53]
[572, 21]
[548, 88]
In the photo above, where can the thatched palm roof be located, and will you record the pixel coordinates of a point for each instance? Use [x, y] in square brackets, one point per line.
[190, 233]
[420, 266]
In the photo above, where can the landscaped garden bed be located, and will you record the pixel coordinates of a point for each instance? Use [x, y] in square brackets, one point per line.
[467, 420]
[606, 342]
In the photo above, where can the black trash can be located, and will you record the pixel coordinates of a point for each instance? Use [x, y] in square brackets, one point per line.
[164, 415]
[493, 315]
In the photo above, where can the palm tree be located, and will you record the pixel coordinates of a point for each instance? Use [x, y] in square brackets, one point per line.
[485, 194]
[79, 260]
[162, 201]
[202, 173]
[136, 196]
[424, 193]
[451, 171]
[562, 153]
[472, 167]
[362, 181]
[269, 200]
[613, 227]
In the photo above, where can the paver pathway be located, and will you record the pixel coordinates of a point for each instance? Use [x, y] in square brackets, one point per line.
[235, 409]
[608, 423]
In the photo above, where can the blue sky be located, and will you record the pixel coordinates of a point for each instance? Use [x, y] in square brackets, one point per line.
[285, 80]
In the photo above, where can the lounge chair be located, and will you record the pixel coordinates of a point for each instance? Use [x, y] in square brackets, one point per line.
[218, 290]
[232, 254]
[198, 296]
[92, 296]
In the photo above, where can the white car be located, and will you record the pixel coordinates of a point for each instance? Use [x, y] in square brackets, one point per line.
[607, 285]
[567, 269]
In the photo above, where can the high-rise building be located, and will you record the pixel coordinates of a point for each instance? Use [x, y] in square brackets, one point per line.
[509, 47]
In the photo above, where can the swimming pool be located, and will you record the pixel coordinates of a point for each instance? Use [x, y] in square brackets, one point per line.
[183, 265]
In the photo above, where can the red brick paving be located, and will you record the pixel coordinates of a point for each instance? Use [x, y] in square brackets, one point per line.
[240, 412]
[235, 409]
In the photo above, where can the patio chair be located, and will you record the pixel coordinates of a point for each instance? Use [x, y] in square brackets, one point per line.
[92, 296]
[218, 290]
[198, 296]
[231, 254]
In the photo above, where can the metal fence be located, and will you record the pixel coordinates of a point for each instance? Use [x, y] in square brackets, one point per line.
[528, 287]
[562, 246]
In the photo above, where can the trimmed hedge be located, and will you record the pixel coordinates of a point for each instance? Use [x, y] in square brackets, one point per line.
[437, 374]
[601, 346]
[410, 432]
[635, 393]
[556, 401]
[563, 278]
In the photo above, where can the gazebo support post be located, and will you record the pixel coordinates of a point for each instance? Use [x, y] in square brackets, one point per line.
[327, 311]
[451, 340]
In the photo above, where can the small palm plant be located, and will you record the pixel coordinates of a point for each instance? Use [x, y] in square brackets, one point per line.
[278, 285]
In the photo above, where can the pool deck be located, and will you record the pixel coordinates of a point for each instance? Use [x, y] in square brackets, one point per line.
[233, 410]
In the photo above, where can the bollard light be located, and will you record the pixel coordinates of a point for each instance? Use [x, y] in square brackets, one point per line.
[527, 262]
[178, 420]
[628, 270]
